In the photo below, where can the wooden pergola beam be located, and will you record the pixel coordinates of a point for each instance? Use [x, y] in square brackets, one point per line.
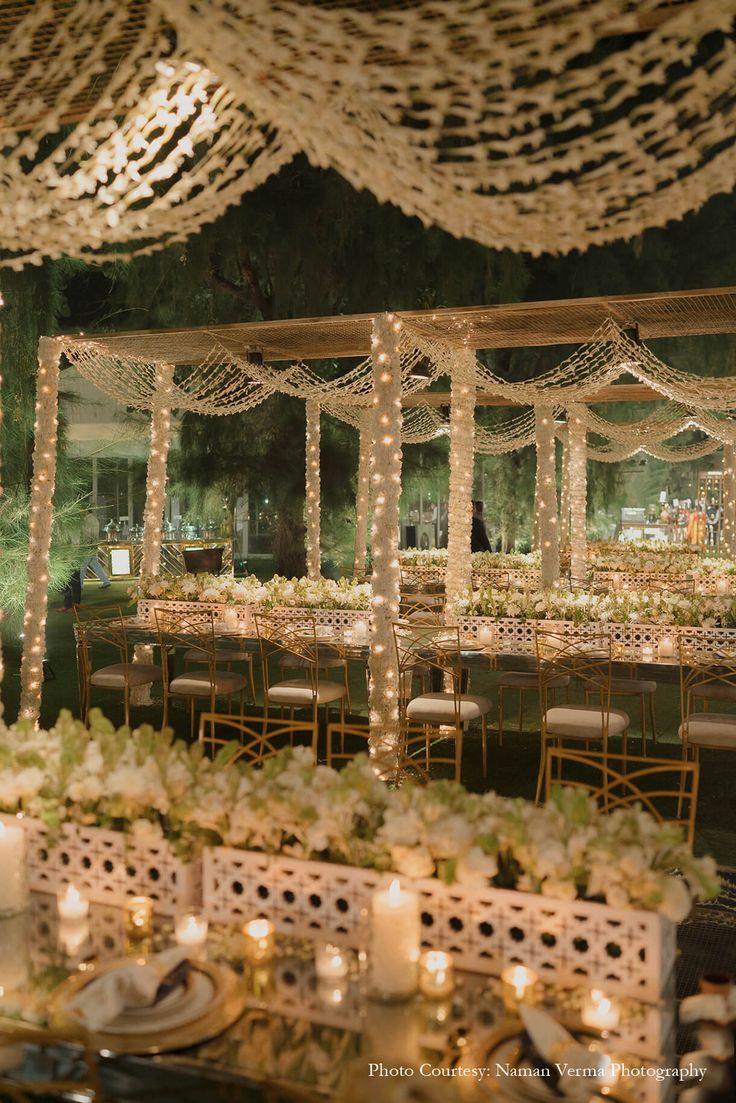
[617, 392]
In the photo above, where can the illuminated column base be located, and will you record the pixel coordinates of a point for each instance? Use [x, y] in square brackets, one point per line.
[462, 455]
[362, 494]
[578, 478]
[564, 488]
[40, 523]
[385, 495]
[546, 500]
[156, 474]
[313, 490]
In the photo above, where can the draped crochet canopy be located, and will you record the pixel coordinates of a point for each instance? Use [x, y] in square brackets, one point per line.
[539, 126]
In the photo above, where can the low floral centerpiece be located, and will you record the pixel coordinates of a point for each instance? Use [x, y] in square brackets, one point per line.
[656, 557]
[302, 593]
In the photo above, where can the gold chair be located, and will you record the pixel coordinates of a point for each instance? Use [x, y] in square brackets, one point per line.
[256, 737]
[293, 637]
[422, 608]
[229, 650]
[522, 681]
[390, 756]
[706, 677]
[195, 630]
[106, 631]
[666, 787]
[418, 647]
[586, 660]
[60, 1054]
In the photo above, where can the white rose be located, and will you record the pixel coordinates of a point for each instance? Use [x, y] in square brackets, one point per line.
[145, 833]
[676, 902]
[412, 861]
[475, 868]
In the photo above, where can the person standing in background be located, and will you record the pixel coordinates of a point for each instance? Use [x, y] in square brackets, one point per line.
[90, 541]
[479, 541]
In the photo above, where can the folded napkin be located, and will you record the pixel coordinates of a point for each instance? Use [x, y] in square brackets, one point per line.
[129, 987]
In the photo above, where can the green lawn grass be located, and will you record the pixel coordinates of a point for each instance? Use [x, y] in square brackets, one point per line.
[512, 767]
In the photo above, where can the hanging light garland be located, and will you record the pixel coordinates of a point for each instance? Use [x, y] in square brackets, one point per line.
[383, 699]
[728, 491]
[578, 482]
[362, 494]
[462, 454]
[546, 495]
[313, 489]
[40, 524]
[156, 474]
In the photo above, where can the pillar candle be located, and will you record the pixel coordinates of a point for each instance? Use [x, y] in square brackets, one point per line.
[230, 617]
[13, 886]
[395, 941]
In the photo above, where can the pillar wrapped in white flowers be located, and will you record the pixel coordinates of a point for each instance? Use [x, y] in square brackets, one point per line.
[578, 491]
[39, 526]
[362, 494]
[385, 495]
[313, 488]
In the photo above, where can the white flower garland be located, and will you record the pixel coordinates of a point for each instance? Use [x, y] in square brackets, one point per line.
[385, 496]
[313, 488]
[152, 787]
[462, 454]
[298, 593]
[157, 470]
[39, 526]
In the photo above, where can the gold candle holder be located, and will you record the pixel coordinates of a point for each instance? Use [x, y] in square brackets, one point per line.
[436, 974]
[260, 941]
[519, 984]
[138, 913]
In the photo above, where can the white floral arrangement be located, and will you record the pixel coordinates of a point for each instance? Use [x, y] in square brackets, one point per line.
[153, 787]
[323, 593]
[488, 561]
[653, 557]
[613, 607]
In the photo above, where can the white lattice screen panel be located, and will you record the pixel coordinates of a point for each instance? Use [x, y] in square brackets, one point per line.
[339, 619]
[643, 581]
[107, 866]
[627, 952]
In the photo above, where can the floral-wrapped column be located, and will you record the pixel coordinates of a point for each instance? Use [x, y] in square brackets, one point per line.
[153, 513]
[578, 477]
[728, 492]
[313, 490]
[462, 455]
[385, 495]
[362, 494]
[546, 494]
[40, 523]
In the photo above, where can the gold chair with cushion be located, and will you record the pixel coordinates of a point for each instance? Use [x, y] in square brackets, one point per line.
[229, 651]
[106, 632]
[290, 639]
[255, 737]
[420, 647]
[521, 681]
[587, 661]
[705, 677]
[195, 631]
[665, 787]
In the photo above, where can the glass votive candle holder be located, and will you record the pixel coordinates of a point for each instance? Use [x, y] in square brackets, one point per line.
[71, 904]
[190, 929]
[331, 993]
[436, 974]
[260, 941]
[138, 913]
[73, 935]
[519, 984]
[600, 1011]
[647, 653]
[331, 962]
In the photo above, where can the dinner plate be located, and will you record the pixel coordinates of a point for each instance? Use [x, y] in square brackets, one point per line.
[211, 1001]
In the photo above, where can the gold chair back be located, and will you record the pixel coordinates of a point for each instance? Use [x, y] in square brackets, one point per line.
[585, 658]
[704, 674]
[390, 756]
[60, 1052]
[422, 647]
[256, 737]
[104, 631]
[665, 787]
[185, 631]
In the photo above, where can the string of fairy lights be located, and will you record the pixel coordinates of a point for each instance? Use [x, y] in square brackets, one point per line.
[313, 489]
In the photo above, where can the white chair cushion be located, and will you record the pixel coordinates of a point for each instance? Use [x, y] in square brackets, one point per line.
[299, 692]
[116, 675]
[439, 708]
[710, 729]
[197, 683]
[584, 722]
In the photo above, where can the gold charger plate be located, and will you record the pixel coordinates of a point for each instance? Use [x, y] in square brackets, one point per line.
[228, 1004]
[503, 1047]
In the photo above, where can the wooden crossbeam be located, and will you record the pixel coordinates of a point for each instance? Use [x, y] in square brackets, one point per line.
[617, 392]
